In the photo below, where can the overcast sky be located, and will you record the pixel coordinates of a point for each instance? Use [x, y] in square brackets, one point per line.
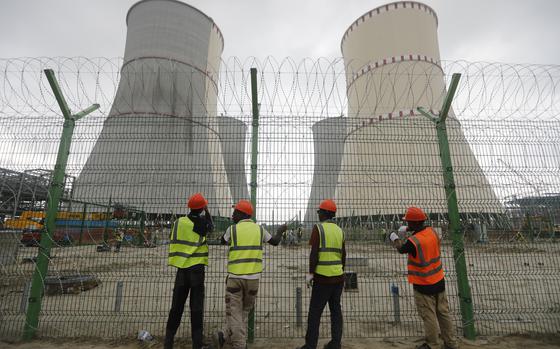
[515, 31]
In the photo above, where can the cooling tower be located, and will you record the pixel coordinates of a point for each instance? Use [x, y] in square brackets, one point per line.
[232, 137]
[160, 143]
[391, 157]
[328, 146]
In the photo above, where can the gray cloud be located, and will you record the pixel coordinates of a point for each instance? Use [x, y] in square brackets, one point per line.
[499, 30]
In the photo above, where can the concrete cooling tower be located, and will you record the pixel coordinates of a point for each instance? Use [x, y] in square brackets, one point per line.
[328, 146]
[232, 137]
[160, 143]
[391, 157]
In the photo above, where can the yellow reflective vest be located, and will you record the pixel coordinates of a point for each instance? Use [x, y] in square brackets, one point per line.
[245, 248]
[186, 247]
[331, 238]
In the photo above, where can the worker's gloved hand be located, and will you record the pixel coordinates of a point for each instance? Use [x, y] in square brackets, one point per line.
[309, 280]
[402, 229]
[393, 237]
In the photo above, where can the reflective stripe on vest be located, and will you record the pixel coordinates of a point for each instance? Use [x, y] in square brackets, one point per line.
[245, 248]
[426, 267]
[186, 247]
[331, 239]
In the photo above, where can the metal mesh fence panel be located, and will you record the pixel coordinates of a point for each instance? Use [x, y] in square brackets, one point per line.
[162, 134]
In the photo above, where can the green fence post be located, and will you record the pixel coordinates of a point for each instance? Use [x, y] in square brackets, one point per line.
[465, 298]
[254, 157]
[54, 195]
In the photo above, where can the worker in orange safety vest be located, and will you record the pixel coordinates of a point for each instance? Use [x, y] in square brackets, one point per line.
[425, 273]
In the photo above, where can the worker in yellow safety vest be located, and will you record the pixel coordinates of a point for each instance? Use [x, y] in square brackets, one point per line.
[245, 240]
[326, 276]
[119, 236]
[425, 273]
[188, 252]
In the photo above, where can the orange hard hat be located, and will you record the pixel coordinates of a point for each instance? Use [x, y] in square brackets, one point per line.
[414, 214]
[197, 201]
[244, 206]
[328, 205]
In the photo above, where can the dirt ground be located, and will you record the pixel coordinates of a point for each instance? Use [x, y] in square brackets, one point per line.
[513, 292]
[510, 342]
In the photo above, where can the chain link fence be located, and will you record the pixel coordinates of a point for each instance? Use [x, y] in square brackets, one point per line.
[156, 140]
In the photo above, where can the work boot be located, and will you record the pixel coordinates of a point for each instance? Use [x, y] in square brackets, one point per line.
[424, 346]
[204, 346]
[168, 343]
[218, 339]
[331, 345]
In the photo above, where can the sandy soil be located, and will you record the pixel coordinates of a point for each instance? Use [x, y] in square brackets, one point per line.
[511, 342]
[515, 290]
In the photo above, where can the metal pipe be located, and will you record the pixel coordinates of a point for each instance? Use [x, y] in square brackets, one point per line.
[396, 303]
[106, 227]
[16, 199]
[299, 320]
[254, 158]
[82, 224]
[118, 296]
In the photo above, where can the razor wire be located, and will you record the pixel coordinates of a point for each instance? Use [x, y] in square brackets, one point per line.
[314, 114]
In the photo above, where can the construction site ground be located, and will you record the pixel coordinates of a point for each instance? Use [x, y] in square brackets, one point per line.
[514, 289]
[510, 342]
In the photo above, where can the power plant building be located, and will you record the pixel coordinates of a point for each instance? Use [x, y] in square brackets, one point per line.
[328, 146]
[160, 142]
[232, 137]
[391, 157]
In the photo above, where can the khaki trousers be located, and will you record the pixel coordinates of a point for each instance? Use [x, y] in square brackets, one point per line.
[240, 299]
[434, 310]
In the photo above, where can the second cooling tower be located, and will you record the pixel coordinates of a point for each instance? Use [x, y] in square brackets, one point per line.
[391, 157]
[160, 142]
[328, 146]
[232, 137]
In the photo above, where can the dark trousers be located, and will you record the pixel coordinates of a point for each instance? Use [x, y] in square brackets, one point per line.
[320, 295]
[187, 280]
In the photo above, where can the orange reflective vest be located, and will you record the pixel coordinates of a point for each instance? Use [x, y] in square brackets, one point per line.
[425, 268]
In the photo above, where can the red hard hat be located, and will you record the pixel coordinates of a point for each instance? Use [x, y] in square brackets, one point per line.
[245, 207]
[197, 201]
[414, 214]
[328, 205]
